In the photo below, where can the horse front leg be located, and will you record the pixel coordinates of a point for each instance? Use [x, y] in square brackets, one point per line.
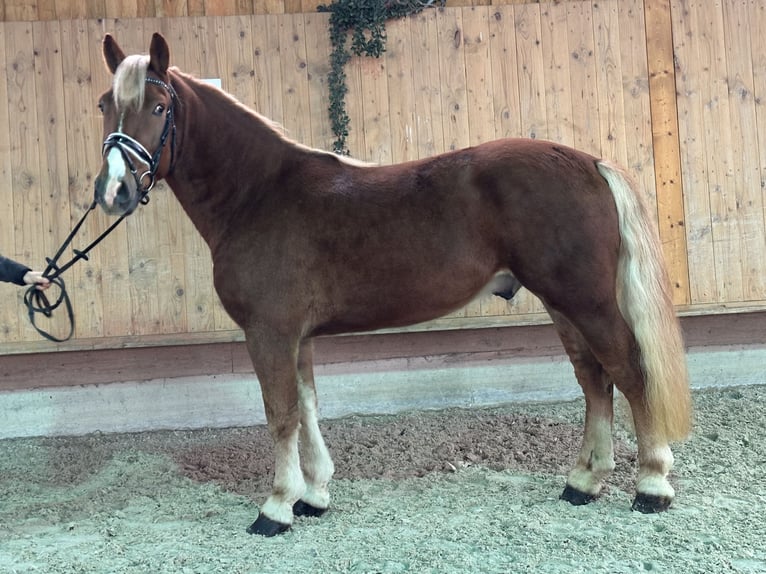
[315, 458]
[275, 359]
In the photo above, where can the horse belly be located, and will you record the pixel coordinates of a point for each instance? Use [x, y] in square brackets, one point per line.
[402, 300]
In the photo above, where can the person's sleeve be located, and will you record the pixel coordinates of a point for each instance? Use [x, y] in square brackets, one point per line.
[12, 271]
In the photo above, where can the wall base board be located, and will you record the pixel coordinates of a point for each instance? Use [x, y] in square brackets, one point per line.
[383, 386]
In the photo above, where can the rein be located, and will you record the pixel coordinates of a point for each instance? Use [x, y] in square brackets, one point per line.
[35, 299]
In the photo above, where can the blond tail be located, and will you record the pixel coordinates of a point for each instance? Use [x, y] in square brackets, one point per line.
[643, 294]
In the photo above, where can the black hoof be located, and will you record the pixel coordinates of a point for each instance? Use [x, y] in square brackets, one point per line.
[265, 526]
[576, 497]
[301, 508]
[650, 503]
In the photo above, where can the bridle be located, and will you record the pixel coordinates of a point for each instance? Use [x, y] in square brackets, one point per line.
[133, 149]
[35, 300]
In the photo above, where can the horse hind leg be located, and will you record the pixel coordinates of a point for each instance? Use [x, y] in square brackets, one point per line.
[315, 458]
[614, 347]
[596, 458]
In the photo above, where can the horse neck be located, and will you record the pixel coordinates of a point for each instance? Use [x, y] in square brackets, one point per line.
[226, 159]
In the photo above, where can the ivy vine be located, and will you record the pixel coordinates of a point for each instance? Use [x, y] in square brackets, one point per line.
[366, 21]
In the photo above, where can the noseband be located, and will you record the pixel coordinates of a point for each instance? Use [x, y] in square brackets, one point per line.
[131, 148]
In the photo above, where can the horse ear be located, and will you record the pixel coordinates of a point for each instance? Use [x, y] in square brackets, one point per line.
[113, 54]
[159, 54]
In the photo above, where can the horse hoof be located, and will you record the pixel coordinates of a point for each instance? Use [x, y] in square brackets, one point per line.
[265, 526]
[576, 497]
[301, 508]
[651, 503]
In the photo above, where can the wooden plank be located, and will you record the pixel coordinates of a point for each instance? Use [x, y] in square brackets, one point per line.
[83, 146]
[649, 87]
[654, 150]
[531, 72]
[669, 199]
[10, 313]
[169, 8]
[20, 11]
[606, 29]
[28, 246]
[310, 6]
[757, 23]
[295, 87]
[54, 206]
[585, 113]
[123, 9]
[375, 109]
[46, 10]
[699, 244]
[318, 67]
[355, 109]
[401, 91]
[427, 103]
[268, 7]
[745, 171]
[292, 6]
[219, 7]
[719, 151]
[505, 75]
[556, 57]
[268, 71]
[453, 80]
[478, 68]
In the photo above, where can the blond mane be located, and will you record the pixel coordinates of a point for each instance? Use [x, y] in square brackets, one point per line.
[129, 82]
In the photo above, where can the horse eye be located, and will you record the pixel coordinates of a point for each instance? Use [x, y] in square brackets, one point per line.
[158, 109]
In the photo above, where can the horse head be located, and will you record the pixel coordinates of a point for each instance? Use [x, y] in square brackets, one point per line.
[139, 126]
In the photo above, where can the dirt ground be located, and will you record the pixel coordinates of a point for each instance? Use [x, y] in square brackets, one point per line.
[429, 492]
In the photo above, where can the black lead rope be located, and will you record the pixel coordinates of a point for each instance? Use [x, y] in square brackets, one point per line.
[37, 301]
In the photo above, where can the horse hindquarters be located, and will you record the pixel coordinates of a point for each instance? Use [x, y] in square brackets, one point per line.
[631, 334]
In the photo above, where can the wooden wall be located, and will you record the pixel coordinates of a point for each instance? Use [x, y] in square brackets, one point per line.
[12, 10]
[670, 88]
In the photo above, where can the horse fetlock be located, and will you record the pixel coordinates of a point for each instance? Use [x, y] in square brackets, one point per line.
[585, 481]
[278, 509]
[318, 497]
[654, 486]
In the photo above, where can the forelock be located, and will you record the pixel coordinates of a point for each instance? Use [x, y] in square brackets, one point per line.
[130, 81]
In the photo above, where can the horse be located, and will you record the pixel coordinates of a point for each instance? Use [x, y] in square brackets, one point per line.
[308, 243]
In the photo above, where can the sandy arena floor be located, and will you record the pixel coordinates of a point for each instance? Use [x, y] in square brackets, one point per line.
[430, 492]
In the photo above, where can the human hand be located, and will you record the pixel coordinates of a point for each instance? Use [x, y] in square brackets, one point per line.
[36, 278]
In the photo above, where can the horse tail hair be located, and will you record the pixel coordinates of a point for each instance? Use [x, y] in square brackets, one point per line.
[644, 299]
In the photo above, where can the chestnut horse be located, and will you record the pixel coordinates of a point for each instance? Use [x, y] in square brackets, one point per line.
[306, 243]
